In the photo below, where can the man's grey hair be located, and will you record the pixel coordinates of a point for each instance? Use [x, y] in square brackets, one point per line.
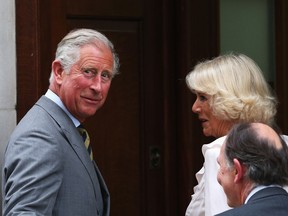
[68, 50]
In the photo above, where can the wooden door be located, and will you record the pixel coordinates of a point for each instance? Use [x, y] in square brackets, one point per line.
[146, 141]
[130, 135]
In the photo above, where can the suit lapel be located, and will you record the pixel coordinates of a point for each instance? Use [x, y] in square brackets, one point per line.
[74, 139]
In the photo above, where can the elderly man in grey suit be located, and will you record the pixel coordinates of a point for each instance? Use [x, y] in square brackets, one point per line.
[253, 168]
[48, 169]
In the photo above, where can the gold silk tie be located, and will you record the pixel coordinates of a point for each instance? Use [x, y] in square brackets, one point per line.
[85, 136]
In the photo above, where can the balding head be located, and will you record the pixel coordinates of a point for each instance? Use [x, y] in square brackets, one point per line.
[263, 131]
[261, 150]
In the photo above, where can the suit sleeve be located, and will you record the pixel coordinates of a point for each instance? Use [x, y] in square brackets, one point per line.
[32, 174]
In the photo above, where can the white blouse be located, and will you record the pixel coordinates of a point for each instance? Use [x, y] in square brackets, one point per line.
[208, 198]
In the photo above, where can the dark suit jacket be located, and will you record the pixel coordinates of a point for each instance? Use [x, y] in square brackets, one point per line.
[47, 169]
[271, 201]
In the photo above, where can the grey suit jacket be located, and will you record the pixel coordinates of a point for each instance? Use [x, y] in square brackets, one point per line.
[47, 169]
[267, 202]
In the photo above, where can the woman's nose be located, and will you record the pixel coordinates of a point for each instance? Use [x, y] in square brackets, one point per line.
[195, 107]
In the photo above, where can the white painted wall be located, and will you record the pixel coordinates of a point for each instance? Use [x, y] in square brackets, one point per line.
[7, 74]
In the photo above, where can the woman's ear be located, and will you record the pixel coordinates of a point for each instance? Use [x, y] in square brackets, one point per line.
[57, 71]
[239, 170]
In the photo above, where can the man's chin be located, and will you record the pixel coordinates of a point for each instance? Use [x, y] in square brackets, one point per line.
[88, 113]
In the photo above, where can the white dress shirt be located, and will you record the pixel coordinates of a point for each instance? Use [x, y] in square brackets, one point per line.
[55, 98]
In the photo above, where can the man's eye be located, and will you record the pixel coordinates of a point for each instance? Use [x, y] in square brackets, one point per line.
[107, 75]
[89, 73]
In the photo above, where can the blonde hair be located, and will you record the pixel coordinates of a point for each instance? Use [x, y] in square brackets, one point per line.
[238, 90]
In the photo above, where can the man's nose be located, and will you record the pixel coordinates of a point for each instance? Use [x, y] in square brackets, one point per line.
[96, 83]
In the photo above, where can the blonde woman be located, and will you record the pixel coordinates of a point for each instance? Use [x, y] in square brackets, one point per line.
[229, 89]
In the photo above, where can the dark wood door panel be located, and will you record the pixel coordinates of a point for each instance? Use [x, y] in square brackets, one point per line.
[281, 46]
[115, 129]
[107, 8]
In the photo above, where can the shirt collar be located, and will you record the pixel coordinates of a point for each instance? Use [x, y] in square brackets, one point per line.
[55, 98]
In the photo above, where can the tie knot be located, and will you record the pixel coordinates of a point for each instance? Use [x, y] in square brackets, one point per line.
[83, 132]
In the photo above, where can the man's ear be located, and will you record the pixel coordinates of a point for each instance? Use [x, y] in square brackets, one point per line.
[239, 170]
[57, 71]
